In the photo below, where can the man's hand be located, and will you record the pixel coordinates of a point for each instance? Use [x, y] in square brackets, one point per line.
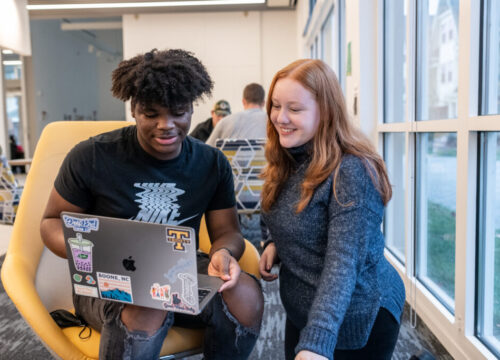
[267, 260]
[309, 355]
[224, 266]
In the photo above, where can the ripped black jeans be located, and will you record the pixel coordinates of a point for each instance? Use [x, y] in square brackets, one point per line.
[225, 337]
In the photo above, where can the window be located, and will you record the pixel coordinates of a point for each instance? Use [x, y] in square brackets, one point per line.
[394, 220]
[327, 44]
[394, 61]
[488, 321]
[435, 213]
[490, 58]
[435, 99]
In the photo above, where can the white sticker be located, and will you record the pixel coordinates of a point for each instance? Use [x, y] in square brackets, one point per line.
[115, 287]
[188, 288]
[86, 290]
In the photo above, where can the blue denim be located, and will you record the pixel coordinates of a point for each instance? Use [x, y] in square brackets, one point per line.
[225, 337]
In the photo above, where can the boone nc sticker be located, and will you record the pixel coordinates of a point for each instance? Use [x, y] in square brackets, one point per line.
[115, 287]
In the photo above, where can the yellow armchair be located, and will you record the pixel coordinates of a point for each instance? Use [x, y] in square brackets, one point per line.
[38, 282]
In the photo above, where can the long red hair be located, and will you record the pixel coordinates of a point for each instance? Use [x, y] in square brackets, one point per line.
[335, 137]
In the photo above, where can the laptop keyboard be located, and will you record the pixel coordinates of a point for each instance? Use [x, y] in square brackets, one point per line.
[202, 293]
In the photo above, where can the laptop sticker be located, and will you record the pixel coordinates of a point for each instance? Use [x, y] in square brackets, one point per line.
[81, 225]
[178, 304]
[90, 280]
[161, 293]
[181, 265]
[188, 285]
[115, 287]
[178, 238]
[77, 277]
[81, 249]
[85, 290]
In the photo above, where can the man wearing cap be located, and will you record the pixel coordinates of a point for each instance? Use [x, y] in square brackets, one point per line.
[248, 124]
[203, 130]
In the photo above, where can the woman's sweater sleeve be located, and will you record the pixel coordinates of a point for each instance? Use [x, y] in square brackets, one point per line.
[348, 239]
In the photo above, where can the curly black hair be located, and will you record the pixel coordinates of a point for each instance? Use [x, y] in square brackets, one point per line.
[171, 78]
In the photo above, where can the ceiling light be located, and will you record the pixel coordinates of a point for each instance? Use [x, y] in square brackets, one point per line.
[12, 62]
[142, 4]
[7, 52]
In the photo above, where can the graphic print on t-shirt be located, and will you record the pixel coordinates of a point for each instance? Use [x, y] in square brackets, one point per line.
[158, 203]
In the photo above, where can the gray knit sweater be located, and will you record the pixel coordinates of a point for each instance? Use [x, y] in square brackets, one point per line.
[334, 276]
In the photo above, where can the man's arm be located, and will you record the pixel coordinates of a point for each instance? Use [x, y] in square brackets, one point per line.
[51, 224]
[227, 245]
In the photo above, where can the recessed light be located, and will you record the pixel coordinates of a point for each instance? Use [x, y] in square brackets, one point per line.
[12, 62]
[143, 4]
[7, 52]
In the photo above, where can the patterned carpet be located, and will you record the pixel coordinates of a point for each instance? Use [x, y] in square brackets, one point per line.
[18, 342]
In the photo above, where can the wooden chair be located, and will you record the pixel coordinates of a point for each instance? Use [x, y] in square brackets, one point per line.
[38, 282]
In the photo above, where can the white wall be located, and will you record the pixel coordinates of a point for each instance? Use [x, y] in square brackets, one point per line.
[236, 47]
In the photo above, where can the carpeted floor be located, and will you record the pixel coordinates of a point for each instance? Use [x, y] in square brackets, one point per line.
[18, 342]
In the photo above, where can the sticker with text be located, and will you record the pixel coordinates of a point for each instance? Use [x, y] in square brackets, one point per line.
[115, 287]
[84, 225]
[81, 251]
[85, 290]
[161, 293]
[178, 238]
[178, 305]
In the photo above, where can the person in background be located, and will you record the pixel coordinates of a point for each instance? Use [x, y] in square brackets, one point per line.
[16, 152]
[247, 124]
[154, 172]
[323, 200]
[203, 130]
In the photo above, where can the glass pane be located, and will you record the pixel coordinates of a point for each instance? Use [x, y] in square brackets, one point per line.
[491, 59]
[394, 60]
[437, 49]
[488, 319]
[13, 118]
[394, 224]
[327, 41]
[435, 213]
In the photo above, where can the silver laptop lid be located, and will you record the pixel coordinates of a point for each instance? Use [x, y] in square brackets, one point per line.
[151, 265]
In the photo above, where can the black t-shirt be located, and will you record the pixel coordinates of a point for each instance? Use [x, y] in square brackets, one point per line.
[111, 175]
[203, 130]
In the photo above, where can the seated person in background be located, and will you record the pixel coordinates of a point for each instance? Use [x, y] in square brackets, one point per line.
[184, 179]
[203, 130]
[248, 124]
[16, 152]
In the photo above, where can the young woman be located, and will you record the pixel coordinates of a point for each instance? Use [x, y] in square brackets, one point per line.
[323, 201]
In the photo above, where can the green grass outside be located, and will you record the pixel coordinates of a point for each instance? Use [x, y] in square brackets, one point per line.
[441, 256]
[441, 247]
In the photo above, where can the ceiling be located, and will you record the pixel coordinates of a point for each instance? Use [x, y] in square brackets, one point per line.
[106, 12]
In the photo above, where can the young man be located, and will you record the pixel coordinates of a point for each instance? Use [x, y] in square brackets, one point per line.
[203, 130]
[248, 124]
[153, 172]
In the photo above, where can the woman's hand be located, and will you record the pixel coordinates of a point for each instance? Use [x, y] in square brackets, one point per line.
[267, 260]
[223, 265]
[309, 355]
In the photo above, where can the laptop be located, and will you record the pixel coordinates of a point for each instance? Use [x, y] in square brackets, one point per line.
[134, 262]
